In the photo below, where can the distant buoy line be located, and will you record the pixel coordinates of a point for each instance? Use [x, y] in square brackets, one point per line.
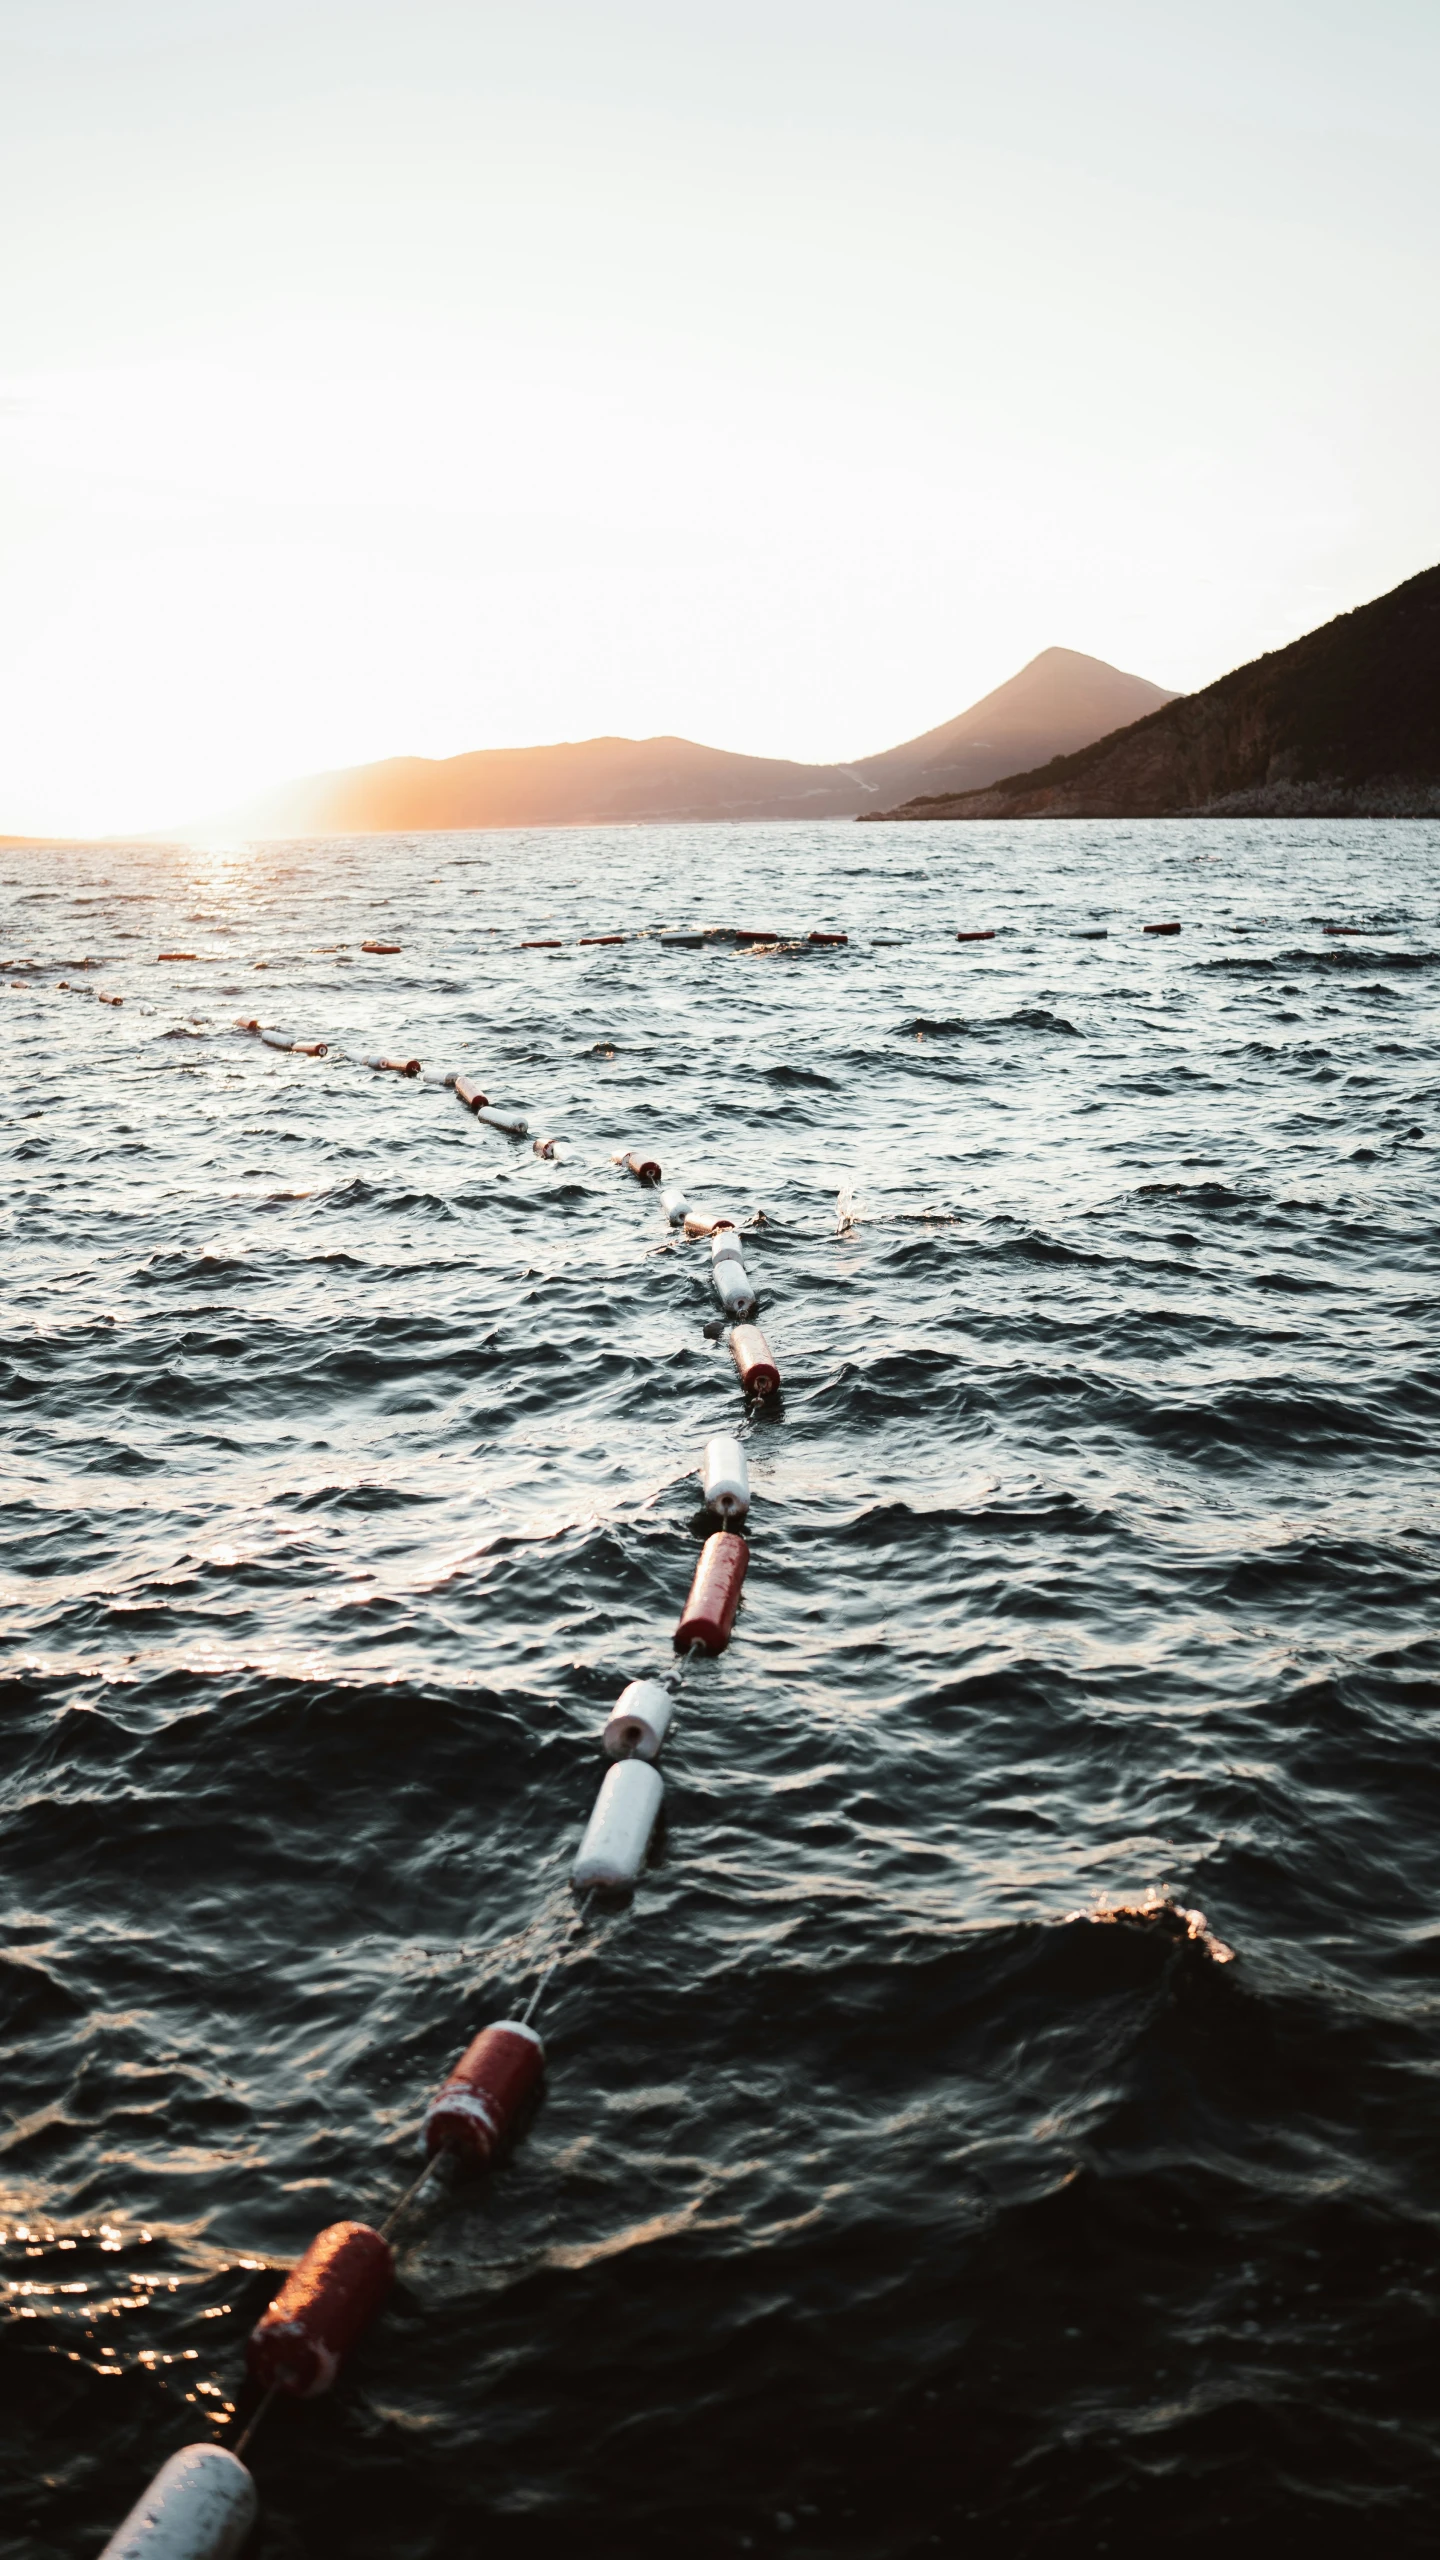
[202, 2504]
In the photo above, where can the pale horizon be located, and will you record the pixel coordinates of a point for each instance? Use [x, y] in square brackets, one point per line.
[407, 383]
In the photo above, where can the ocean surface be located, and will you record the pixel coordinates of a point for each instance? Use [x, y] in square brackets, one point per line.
[1007, 2119]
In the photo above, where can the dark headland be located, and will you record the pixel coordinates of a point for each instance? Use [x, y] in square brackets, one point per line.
[1343, 724]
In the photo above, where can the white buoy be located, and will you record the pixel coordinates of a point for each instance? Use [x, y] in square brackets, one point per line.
[725, 1478]
[732, 1288]
[725, 1246]
[617, 1836]
[639, 1720]
[200, 2506]
[674, 1205]
[506, 1121]
[277, 1039]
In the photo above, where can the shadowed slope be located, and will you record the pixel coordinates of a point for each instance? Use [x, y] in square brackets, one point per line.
[1343, 723]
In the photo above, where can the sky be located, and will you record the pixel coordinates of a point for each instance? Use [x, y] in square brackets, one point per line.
[383, 378]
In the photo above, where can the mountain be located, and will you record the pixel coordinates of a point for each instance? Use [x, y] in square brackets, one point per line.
[1343, 724]
[1057, 702]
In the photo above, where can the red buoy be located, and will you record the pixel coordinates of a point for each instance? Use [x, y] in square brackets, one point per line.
[591, 941]
[380, 946]
[988, 936]
[1329, 928]
[481, 2106]
[1160, 928]
[542, 946]
[320, 2310]
[468, 1092]
[696, 1224]
[753, 933]
[751, 1354]
[827, 937]
[644, 1168]
[709, 1613]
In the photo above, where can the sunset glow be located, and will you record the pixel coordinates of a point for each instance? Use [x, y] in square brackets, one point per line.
[420, 380]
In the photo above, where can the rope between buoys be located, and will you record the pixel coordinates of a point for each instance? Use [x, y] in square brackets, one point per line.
[255, 2423]
[547, 1976]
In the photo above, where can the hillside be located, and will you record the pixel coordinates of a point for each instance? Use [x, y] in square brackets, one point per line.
[1343, 723]
[1058, 702]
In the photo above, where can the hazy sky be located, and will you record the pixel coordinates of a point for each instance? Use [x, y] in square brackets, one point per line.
[415, 375]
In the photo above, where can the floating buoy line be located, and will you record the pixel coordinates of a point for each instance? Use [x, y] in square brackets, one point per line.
[203, 2502]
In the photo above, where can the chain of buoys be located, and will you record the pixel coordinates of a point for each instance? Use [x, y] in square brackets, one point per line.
[202, 2503]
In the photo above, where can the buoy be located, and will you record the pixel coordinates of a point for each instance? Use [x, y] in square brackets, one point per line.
[241, 1023]
[174, 955]
[751, 1354]
[1160, 928]
[200, 2505]
[733, 1289]
[752, 933]
[988, 936]
[320, 2310]
[102, 998]
[592, 941]
[542, 946]
[503, 1121]
[673, 1204]
[394, 1066]
[543, 1147]
[644, 1168]
[380, 946]
[482, 2105]
[1092, 933]
[725, 1245]
[725, 1478]
[617, 1835]
[639, 1721]
[827, 937]
[697, 1224]
[277, 1039]
[1344, 928]
[468, 1092]
[709, 1613]
[311, 1048]
[682, 941]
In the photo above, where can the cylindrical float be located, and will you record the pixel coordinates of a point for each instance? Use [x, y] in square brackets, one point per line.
[725, 1478]
[987, 936]
[645, 1168]
[311, 1048]
[468, 1092]
[697, 1224]
[709, 1613]
[639, 1721]
[673, 1203]
[828, 937]
[483, 2104]
[542, 946]
[617, 1835]
[751, 1354]
[277, 1039]
[506, 1122]
[543, 1147]
[380, 946]
[1160, 928]
[733, 1289]
[200, 2505]
[725, 1245]
[1091, 933]
[393, 1066]
[320, 2310]
[592, 941]
[241, 1021]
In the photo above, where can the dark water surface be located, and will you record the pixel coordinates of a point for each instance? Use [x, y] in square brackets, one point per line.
[917, 2169]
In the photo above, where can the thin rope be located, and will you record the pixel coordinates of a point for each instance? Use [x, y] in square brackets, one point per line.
[256, 2422]
[411, 2192]
[556, 1960]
